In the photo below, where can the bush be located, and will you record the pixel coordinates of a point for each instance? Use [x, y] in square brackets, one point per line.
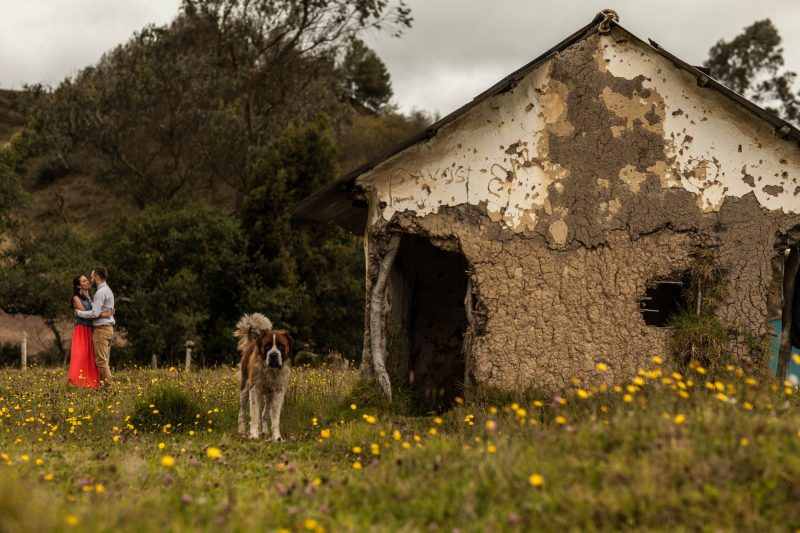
[699, 338]
[9, 354]
[167, 407]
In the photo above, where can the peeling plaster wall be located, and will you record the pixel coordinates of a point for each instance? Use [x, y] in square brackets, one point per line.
[601, 169]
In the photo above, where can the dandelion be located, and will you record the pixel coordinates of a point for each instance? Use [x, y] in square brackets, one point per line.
[375, 449]
[168, 461]
[161, 445]
[72, 520]
[560, 420]
[536, 480]
[353, 406]
[357, 465]
[700, 370]
[721, 397]
[325, 433]
[396, 435]
[437, 420]
[490, 448]
[657, 360]
[536, 403]
[679, 419]
[406, 445]
[312, 525]
[491, 425]
[99, 488]
[48, 477]
[583, 394]
[213, 453]
[602, 367]
[432, 431]
[744, 442]
[747, 406]
[627, 398]
[796, 359]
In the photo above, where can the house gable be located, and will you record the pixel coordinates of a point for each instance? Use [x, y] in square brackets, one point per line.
[575, 141]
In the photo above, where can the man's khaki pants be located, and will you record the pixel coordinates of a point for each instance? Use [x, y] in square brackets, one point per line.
[101, 339]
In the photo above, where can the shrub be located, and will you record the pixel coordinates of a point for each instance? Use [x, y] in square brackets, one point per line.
[166, 405]
[9, 354]
[698, 338]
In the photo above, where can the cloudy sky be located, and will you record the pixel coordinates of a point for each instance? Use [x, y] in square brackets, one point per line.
[455, 50]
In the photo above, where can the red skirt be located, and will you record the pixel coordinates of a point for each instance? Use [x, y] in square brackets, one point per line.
[82, 367]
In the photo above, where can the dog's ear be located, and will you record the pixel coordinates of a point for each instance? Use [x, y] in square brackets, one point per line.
[291, 342]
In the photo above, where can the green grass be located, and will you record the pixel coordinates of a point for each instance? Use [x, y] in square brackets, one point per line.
[656, 453]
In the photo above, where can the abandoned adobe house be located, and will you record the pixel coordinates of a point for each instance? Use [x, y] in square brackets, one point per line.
[547, 226]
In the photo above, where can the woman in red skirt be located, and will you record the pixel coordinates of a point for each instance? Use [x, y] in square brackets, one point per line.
[82, 367]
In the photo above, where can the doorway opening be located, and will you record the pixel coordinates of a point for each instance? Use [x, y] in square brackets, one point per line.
[428, 320]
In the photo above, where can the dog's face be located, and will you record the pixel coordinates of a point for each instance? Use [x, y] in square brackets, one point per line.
[275, 347]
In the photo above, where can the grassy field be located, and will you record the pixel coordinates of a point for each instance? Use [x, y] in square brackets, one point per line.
[661, 452]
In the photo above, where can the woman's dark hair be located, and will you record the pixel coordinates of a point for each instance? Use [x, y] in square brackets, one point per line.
[76, 288]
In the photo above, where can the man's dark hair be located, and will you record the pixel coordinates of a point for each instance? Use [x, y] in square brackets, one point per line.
[101, 271]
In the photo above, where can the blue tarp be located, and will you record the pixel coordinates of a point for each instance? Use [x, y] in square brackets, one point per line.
[794, 368]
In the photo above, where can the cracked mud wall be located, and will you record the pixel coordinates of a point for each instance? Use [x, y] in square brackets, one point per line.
[600, 170]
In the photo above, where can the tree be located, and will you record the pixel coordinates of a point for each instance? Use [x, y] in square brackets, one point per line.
[178, 273]
[36, 275]
[307, 278]
[187, 107]
[752, 64]
[367, 80]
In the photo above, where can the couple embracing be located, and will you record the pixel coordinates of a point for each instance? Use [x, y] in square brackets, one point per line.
[94, 328]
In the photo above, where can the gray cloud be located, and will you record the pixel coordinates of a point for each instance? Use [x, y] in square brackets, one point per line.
[42, 41]
[456, 49]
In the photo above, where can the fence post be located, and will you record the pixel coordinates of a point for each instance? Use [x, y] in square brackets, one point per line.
[189, 347]
[154, 362]
[24, 350]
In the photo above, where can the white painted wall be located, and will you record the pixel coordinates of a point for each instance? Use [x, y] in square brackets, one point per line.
[465, 162]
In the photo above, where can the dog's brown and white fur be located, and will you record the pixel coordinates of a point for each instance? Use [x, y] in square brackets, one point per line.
[265, 373]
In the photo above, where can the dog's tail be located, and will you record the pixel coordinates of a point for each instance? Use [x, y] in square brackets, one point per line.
[250, 327]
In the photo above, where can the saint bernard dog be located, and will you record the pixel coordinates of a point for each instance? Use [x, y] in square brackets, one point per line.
[265, 373]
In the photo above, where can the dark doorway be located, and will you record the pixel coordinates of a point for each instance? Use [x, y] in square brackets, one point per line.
[430, 285]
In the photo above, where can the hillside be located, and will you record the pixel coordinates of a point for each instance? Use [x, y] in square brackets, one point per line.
[12, 114]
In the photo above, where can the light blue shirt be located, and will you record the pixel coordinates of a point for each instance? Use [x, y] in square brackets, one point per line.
[103, 300]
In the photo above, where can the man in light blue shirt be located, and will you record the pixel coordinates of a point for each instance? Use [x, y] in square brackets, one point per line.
[102, 316]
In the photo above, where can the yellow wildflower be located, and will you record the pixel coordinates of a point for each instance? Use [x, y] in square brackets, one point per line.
[536, 480]
[213, 453]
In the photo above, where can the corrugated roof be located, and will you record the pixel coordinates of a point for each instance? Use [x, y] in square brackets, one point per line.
[338, 203]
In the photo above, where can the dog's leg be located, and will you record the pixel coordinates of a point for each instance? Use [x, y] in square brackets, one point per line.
[255, 410]
[244, 401]
[276, 404]
[265, 414]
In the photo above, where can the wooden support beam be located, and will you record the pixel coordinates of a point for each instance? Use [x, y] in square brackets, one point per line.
[789, 274]
[377, 316]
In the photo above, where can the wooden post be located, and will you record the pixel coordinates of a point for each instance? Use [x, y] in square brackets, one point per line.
[789, 274]
[189, 347]
[24, 351]
[377, 320]
[154, 362]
